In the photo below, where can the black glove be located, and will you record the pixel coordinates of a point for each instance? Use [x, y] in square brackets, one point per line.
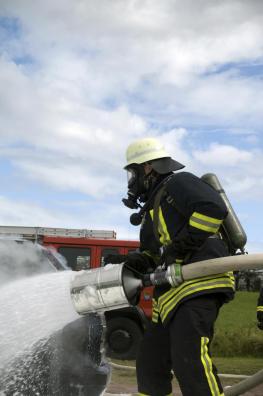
[140, 262]
[260, 319]
[114, 258]
[171, 255]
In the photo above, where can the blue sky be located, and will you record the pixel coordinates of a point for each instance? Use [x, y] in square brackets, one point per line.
[80, 81]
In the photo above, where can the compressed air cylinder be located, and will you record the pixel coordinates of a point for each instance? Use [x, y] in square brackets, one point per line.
[231, 225]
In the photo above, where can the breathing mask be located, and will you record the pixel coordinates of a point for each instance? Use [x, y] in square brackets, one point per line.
[136, 186]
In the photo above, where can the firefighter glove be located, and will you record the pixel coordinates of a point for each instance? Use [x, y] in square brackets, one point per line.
[171, 255]
[140, 262]
[114, 259]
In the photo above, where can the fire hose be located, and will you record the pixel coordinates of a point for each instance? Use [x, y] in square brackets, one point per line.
[117, 286]
[234, 390]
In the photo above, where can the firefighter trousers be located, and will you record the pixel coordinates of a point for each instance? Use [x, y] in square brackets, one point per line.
[182, 346]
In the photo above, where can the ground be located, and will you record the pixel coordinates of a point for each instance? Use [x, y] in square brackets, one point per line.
[123, 382]
[122, 389]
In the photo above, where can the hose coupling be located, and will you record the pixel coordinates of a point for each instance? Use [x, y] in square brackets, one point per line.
[174, 275]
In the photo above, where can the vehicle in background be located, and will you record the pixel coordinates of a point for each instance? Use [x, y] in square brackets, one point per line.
[86, 249]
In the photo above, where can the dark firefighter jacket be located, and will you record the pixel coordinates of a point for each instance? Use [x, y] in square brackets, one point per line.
[189, 217]
[260, 306]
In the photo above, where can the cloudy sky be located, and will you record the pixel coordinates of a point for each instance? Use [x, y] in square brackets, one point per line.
[80, 79]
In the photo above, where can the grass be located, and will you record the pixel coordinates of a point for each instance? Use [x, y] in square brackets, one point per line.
[237, 347]
[236, 332]
[237, 365]
[239, 313]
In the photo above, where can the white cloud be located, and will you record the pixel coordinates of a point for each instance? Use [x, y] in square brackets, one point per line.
[240, 171]
[88, 54]
[222, 155]
[14, 212]
[68, 215]
[226, 99]
[72, 177]
[174, 143]
[40, 115]
[95, 77]
[117, 43]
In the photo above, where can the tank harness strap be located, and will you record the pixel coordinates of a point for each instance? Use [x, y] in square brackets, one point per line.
[156, 205]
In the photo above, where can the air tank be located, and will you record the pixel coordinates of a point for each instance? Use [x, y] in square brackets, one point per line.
[232, 228]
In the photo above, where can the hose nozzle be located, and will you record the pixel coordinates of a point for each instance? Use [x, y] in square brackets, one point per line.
[104, 289]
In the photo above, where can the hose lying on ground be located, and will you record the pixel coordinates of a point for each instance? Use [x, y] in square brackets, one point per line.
[235, 376]
[245, 385]
[248, 383]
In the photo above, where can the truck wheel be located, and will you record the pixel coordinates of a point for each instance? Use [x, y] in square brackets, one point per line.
[123, 337]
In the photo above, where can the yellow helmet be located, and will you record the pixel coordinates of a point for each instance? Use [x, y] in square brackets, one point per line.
[150, 149]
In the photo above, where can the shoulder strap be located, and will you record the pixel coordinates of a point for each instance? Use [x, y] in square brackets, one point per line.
[156, 205]
[170, 200]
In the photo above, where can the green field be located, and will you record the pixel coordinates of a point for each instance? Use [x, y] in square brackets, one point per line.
[240, 312]
[237, 346]
[236, 332]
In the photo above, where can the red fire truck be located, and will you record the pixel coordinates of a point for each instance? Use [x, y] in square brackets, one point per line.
[86, 249]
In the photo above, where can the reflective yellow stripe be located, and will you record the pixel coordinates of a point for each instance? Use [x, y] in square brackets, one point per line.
[214, 285]
[208, 367]
[165, 237]
[228, 277]
[155, 313]
[260, 308]
[205, 223]
[155, 317]
[162, 228]
[209, 219]
[170, 299]
[174, 297]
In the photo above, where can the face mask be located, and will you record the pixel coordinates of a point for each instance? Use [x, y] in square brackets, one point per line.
[136, 187]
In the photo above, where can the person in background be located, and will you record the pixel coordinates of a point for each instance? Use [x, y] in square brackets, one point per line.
[260, 310]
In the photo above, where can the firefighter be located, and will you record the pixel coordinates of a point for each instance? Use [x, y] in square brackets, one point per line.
[260, 310]
[181, 219]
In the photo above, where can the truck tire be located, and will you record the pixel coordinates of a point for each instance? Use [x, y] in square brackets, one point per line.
[123, 337]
